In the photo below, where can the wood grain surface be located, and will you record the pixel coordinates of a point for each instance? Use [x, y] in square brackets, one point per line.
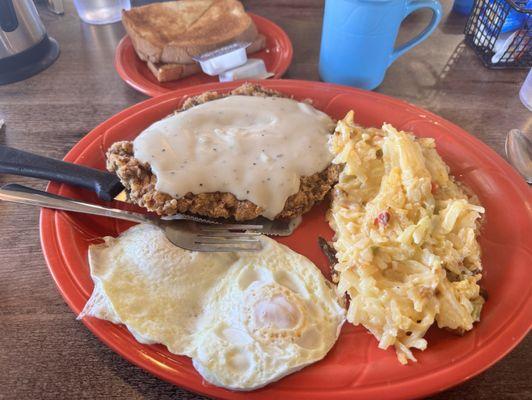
[44, 352]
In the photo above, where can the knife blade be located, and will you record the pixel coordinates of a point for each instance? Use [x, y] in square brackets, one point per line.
[278, 227]
[518, 147]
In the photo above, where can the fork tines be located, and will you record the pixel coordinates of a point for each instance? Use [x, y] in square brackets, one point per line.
[220, 237]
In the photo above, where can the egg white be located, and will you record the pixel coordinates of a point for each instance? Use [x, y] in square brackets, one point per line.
[245, 319]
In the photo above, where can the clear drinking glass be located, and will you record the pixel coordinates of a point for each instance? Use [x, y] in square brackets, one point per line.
[100, 12]
[525, 94]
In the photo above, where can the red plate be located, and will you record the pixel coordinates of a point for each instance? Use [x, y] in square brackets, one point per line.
[277, 56]
[355, 368]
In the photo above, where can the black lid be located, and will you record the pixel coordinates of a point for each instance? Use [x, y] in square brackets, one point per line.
[29, 62]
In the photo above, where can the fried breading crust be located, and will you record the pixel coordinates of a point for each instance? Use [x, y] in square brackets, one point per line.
[139, 180]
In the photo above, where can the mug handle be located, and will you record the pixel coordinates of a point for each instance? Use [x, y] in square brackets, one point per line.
[411, 6]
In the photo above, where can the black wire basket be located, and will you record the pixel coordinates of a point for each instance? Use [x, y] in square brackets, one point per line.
[488, 33]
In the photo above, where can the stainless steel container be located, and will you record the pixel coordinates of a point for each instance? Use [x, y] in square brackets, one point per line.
[25, 47]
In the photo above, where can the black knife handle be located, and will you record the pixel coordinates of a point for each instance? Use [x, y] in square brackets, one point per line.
[18, 162]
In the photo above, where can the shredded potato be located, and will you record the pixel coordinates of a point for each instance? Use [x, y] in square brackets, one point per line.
[406, 237]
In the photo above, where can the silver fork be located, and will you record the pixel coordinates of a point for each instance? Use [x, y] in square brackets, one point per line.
[197, 235]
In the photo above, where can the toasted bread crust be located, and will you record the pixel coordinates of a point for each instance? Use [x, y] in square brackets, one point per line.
[140, 182]
[174, 32]
[172, 72]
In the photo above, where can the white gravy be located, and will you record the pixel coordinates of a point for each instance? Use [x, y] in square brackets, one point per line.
[256, 148]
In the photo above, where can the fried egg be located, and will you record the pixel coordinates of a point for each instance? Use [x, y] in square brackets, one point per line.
[245, 319]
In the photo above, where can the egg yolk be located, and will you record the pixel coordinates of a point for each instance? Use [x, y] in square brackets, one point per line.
[276, 312]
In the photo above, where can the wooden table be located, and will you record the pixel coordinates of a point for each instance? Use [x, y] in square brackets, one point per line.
[44, 352]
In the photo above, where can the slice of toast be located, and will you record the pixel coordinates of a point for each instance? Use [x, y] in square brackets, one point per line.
[171, 72]
[173, 32]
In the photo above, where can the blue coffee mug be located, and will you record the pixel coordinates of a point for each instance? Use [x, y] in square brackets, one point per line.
[358, 36]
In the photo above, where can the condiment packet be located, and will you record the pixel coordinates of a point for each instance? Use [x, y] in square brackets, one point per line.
[254, 68]
[502, 44]
[224, 58]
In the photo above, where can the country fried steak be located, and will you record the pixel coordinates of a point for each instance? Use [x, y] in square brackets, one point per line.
[138, 179]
